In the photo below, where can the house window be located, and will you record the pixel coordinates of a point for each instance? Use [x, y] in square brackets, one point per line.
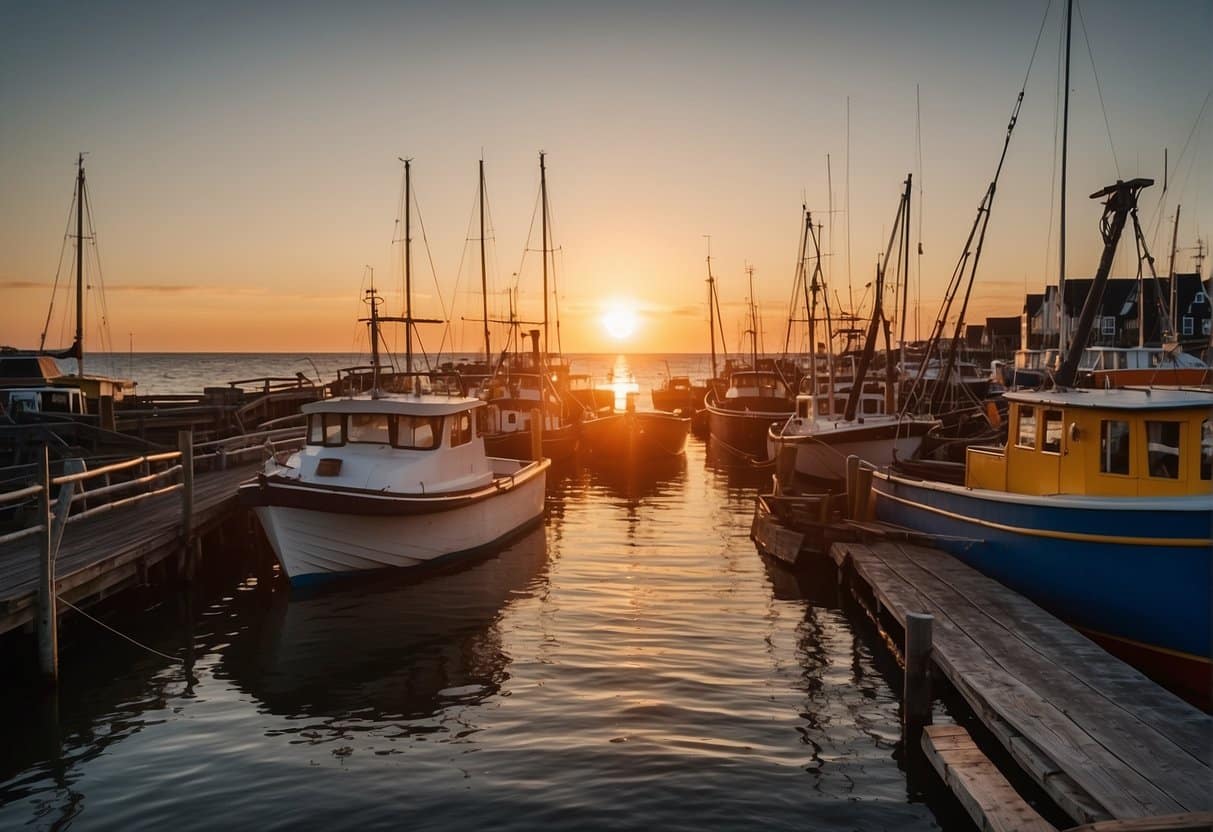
[1162, 449]
[1113, 447]
[1206, 450]
[1025, 436]
[1052, 443]
[1204, 326]
[1189, 325]
[1200, 297]
[1107, 325]
[461, 430]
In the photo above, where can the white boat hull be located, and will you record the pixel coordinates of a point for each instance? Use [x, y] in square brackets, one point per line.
[311, 544]
[823, 454]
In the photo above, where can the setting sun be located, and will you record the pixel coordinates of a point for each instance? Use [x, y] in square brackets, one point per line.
[619, 320]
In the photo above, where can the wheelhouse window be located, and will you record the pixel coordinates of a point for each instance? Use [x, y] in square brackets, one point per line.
[1053, 429]
[1206, 449]
[461, 429]
[1025, 433]
[325, 429]
[418, 433]
[1113, 446]
[1162, 449]
[371, 428]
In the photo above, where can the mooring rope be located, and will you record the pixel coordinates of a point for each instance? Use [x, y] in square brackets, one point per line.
[101, 623]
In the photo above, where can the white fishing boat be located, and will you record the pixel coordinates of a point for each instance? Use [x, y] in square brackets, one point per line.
[390, 480]
[396, 479]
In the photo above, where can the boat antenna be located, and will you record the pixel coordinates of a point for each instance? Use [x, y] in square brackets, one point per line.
[1174, 303]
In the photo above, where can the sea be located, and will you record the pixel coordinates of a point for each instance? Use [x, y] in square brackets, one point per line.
[631, 663]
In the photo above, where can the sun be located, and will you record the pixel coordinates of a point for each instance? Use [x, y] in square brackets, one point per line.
[619, 320]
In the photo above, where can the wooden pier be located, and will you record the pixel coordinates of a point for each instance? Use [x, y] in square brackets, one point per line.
[105, 528]
[1107, 745]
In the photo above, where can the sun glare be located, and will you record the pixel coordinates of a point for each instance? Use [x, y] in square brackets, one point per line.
[619, 320]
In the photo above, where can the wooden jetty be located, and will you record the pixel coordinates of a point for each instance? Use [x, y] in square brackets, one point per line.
[1109, 746]
[90, 542]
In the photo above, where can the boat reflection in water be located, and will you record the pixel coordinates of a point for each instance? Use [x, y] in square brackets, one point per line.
[394, 648]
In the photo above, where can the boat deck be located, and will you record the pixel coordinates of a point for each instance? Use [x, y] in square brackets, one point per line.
[99, 553]
[1101, 739]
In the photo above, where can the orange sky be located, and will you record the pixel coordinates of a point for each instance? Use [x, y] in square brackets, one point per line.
[243, 166]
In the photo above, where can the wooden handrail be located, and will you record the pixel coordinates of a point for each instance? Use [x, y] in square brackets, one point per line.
[20, 494]
[116, 466]
[121, 486]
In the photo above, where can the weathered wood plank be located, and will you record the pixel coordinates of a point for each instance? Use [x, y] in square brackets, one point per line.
[1186, 822]
[1119, 682]
[989, 799]
[1066, 682]
[1086, 779]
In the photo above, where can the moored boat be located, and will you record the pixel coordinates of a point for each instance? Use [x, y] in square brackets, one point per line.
[636, 435]
[390, 480]
[1098, 508]
[740, 419]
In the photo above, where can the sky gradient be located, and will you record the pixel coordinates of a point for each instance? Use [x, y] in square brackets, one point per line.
[243, 157]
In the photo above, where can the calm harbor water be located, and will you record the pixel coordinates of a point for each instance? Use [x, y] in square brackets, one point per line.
[630, 663]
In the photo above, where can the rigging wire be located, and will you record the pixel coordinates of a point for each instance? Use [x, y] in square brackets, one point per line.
[1098, 87]
[58, 270]
[446, 330]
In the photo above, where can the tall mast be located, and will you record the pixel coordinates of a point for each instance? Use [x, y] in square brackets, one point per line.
[711, 307]
[408, 266]
[810, 291]
[1065, 144]
[1171, 282]
[749, 270]
[484, 286]
[543, 193]
[79, 345]
[373, 300]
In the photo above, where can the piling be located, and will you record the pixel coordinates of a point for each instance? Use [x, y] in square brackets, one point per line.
[106, 413]
[863, 492]
[536, 434]
[852, 485]
[916, 696]
[48, 619]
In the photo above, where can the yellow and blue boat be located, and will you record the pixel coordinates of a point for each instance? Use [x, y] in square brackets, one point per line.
[1099, 508]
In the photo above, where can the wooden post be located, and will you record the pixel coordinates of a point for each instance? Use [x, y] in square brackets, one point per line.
[107, 412]
[785, 467]
[48, 619]
[852, 490]
[863, 492]
[185, 443]
[916, 698]
[537, 434]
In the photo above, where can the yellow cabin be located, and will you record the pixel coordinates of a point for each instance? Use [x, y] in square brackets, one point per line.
[1130, 442]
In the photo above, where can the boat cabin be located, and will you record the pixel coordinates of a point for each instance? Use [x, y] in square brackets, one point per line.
[14, 400]
[395, 442]
[872, 401]
[1130, 442]
[756, 384]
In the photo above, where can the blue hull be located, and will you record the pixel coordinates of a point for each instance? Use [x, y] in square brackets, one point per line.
[1153, 592]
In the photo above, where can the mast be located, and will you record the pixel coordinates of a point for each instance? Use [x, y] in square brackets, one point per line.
[79, 345]
[373, 300]
[1171, 282]
[484, 286]
[810, 291]
[408, 267]
[543, 193]
[1065, 145]
[711, 307]
[753, 333]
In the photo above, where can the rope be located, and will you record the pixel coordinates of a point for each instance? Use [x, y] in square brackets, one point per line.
[176, 659]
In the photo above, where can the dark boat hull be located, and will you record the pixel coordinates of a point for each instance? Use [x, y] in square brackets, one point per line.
[741, 425]
[557, 444]
[632, 434]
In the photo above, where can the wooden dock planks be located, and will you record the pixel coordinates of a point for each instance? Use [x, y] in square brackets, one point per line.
[1101, 739]
[986, 795]
[104, 550]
